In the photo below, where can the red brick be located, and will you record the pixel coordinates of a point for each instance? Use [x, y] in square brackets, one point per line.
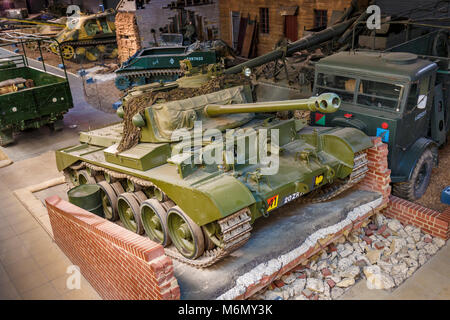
[332, 247]
[298, 268]
[386, 234]
[378, 245]
[372, 226]
[382, 229]
[278, 283]
[108, 255]
[368, 232]
[326, 272]
[331, 283]
[367, 240]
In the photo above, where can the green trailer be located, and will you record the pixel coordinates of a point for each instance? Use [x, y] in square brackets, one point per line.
[29, 97]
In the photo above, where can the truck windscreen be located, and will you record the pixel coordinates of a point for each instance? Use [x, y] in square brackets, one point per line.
[370, 93]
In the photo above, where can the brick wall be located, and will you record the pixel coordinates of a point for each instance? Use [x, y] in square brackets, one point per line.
[378, 178]
[127, 34]
[118, 263]
[305, 17]
[430, 221]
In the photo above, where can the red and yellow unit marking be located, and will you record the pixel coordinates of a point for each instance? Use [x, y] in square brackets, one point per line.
[272, 203]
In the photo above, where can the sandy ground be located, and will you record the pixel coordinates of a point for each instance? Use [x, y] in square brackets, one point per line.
[440, 178]
[102, 95]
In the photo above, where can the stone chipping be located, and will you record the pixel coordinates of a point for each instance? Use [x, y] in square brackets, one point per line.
[383, 254]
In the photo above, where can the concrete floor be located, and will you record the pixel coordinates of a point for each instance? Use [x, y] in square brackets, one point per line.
[33, 267]
[31, 264]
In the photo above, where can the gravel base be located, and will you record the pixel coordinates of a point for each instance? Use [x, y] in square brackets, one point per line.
[384, 254]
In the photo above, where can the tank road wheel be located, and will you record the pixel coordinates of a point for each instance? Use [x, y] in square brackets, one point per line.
[80, 53]
[68, 52]
[85, 178]
[154, 221]
[122, 83]
[117, 187]
[109, 201]
[415, 188]
[138, 81]
[129, 212]
[92, 54]
[71, 177]
[114, 54]
[185, 233]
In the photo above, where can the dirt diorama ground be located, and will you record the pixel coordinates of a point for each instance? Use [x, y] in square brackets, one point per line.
[440, 178]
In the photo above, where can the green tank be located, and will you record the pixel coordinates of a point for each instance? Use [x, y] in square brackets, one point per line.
[168, 187]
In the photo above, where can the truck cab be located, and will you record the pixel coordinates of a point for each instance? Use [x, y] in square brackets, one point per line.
[394, 96]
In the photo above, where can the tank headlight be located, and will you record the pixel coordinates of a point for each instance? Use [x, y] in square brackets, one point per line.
[247, 72]
[120, 113]
[138, 120]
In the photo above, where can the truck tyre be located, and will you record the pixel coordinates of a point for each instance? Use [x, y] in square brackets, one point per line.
[415, 188]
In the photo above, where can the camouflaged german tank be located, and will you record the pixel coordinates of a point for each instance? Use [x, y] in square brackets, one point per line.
[93, 37]
[199, 210]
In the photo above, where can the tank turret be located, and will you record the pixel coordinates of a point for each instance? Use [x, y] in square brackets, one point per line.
[226, 109]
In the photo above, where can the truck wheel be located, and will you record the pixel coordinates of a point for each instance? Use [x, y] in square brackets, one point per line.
[6, 137]
[415, 188]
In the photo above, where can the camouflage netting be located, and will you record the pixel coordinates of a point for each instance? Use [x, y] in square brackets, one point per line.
[131, 134]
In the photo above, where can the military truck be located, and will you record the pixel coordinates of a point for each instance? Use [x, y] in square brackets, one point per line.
[30, 98]
[401, 95]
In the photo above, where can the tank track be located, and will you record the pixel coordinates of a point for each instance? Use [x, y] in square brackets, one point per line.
[236, 228]
[149, 73]
[83, 43]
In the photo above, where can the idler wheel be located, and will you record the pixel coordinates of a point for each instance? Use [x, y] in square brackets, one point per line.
[129, 212]
[109, 201]
[186, 235]
[154, 221]
[213, 235]
[85, 178]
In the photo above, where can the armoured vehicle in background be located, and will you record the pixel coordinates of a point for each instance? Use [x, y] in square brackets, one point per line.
[401, 95]
[171, 191]
[30, 98]
[93, 37]
[156, 64]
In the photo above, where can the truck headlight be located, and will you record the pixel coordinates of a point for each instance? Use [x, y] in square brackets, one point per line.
[247, 72]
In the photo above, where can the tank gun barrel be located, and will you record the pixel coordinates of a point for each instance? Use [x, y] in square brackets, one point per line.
[325, 103]
[303, 43]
